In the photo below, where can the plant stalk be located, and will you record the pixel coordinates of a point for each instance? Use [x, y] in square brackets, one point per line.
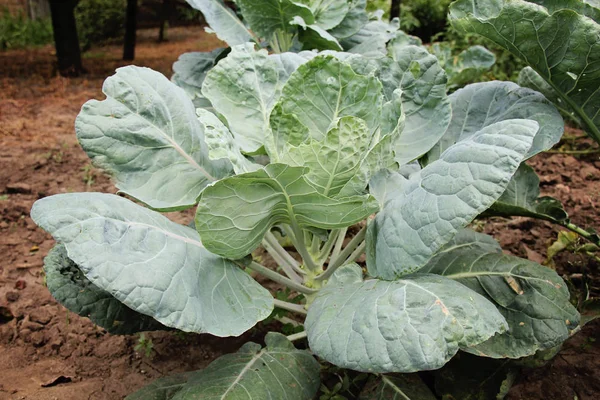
[275, 277]
[280, 255]
[298, 308]
[300, 244]
[339, 243]
[297, 336]
[326, 249]
[356, 245]
[580, 231]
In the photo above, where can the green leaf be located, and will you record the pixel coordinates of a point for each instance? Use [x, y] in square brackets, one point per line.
[278, 371]
[236, 212]
[152, 265]
[78, 294]
[370, 41]
[533, 298]
[315, 96]
[522, 197]
[412, 324]
[424, 102]
[402, 39]
[531, 79]
[481, 104]
[222, 144]
[162, 389]
[313, 37]
[562, 47]
[328, 13]
[589, 8]
[191, 68]
[444, 197]
[354, 20]
[467, 377]
[223, 21]
[147, 136]
[386, 185]
[265, 17]
[243, 87]
[396, 387]
[467, 66]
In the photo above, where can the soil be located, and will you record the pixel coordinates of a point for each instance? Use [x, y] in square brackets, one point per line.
[48, 353]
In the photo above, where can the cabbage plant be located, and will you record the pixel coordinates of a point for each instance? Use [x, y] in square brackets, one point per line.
[341, 155]
[558, 39]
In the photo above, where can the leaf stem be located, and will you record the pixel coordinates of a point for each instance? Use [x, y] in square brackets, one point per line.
[297, 336]
[326, 249]
[275, 277]
[580, 231]
[339, 243]
[297, 235]
[356, 245]
[298, 308]
[280, 255]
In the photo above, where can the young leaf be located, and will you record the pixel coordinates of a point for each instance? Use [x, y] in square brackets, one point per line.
[424, 102]
[562, 47]
[533, 298]
[328, 13]
[235, 213]
[370, 41]
[223, 21]
[521, 197]
[152, 265]
[354, 20]
[265, 17]
[396, 387]
[278, 371]
[445, 196]
[481, 104]
[314, 37]
[244, 86]
[191, 68]
[145, 133]
[78, 294]
[413, 324]
[316, 95]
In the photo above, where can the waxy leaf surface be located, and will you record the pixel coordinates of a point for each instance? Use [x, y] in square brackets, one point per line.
[223, 21]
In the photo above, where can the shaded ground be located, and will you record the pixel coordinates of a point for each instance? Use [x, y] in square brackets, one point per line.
[39, 156]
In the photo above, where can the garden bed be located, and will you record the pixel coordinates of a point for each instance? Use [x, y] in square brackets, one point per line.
[48, 353]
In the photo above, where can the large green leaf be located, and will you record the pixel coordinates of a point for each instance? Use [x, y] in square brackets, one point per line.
[328, 13]
[154, 266]
[315, 96]
[370, 41]
[243, 87]
[354, 20]
[313, 37]
[467, 377]
[563, 47]
[522, 197]
[589, 8]
[396, 387]
[467, 66]
[223, 21]
[236, 212]
[73, 290]
[191, 68]
[445, 196]
[425, 104]
[147, 136]
[481, 104]
[265, 17]
[533, 298]
[277, 371]
[412, 324]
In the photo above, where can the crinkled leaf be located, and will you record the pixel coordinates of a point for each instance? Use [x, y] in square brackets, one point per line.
[445, 196]
[412, 324]
[467, 66]
[223, 21]
[467, 377]
[222, 144]
[152, 265]
[78, 294]
[265, 17]
[563, 47]
[396, 387]
[236, 212]
[533, 298]
[522, 197]
[425, 104]
[354, 20]
[315, 96]
[313, 37]
[402, 39]
[191, 68]
[370, 41]
[277, 371]
[481, 104]
[147, 136]
[589, 8]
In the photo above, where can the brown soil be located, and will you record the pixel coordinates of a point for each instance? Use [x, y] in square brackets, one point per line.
[47, 353]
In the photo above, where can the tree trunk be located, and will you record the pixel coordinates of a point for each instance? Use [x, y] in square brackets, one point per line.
[130, 30]
[395, 9]
[164, 19]
[68, 53]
